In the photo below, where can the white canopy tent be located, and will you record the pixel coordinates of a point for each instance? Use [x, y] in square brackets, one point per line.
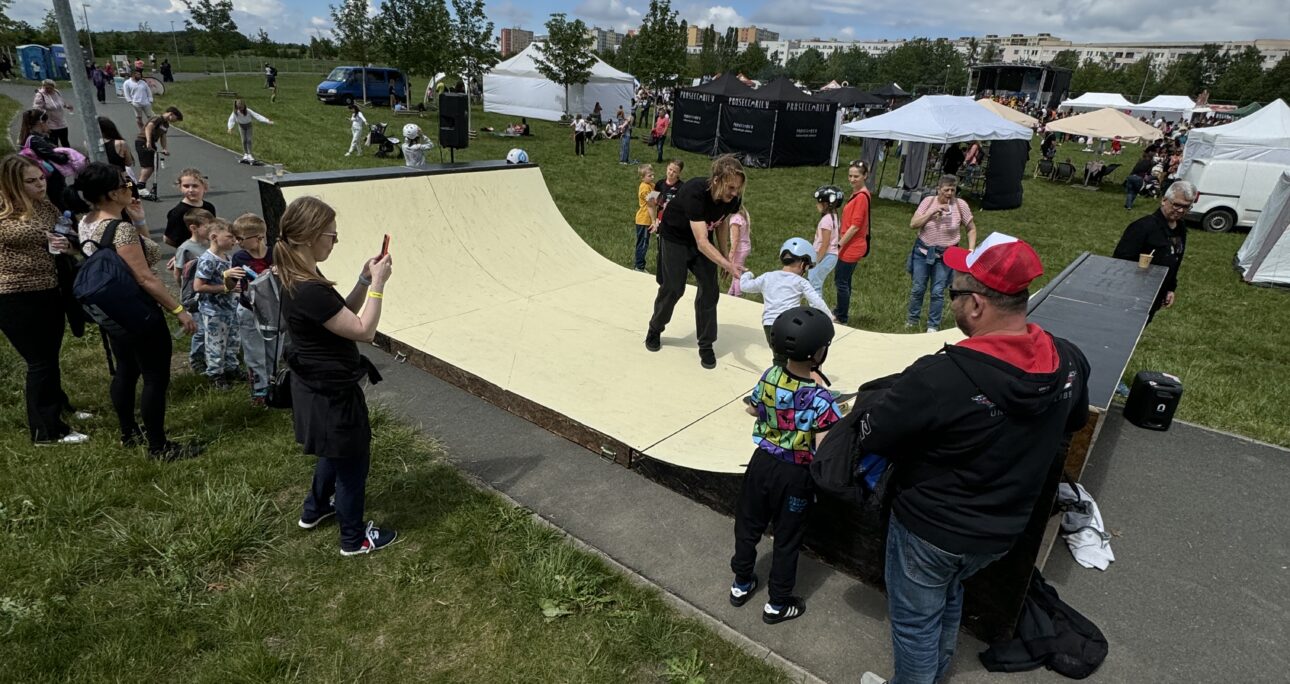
[1168, 107]
[938, 119]
[1264, 257]
[1091, 101]
[1008, 113]
[516, 87]
[1263, 136]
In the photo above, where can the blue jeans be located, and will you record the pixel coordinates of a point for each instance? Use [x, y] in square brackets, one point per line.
[624, 155]
[842, 283]
[659, 143]
[642, 246]
[820, 271]
[1132, 186]
[925, 603]
[921, 272]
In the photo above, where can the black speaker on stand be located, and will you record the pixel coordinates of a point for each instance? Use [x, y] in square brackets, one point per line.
[454, 122]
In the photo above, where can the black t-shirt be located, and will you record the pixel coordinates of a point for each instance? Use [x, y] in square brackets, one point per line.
[693, 202]
[159, 128]
[176, 230]
[1143, 167]
[666, 193]
[319, 356]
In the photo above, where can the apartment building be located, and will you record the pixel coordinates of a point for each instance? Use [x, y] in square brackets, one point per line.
[513, 40]
[601, 40]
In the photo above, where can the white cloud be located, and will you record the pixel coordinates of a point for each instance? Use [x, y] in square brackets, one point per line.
[607, 12]
[847, 32]
[507, 14]
[720, 16]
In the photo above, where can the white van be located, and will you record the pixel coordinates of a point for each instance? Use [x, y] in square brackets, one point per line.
[1232, 192]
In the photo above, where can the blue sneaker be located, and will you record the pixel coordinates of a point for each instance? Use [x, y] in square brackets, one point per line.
[374, 539]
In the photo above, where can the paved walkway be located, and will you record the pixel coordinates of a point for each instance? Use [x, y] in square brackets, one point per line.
[1201, 590]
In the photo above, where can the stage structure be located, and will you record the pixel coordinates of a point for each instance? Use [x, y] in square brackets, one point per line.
[1042, 83]
[536, 322]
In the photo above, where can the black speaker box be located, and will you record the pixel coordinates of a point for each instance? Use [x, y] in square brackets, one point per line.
[454, 120]
[1153, 398]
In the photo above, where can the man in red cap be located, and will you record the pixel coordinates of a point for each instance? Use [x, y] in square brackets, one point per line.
[973, 433]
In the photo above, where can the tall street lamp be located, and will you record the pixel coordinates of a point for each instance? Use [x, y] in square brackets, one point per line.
[174, 40]
[88, 36]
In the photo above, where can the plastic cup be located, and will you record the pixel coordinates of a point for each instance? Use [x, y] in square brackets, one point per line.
[1144, 261]
[277, 169]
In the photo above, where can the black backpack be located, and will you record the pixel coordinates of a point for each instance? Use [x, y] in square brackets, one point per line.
[107, 290]
[843, 472]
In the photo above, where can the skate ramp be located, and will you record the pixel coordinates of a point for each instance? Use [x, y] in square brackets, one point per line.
[491, 280]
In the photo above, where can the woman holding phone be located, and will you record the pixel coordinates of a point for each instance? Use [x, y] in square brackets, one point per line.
[939, 221]
[328, 406]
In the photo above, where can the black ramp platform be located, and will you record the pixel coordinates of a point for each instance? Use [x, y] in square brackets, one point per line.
[1101, 304]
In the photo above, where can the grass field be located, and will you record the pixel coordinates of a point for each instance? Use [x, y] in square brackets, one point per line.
[116, 568]
[1220, 338]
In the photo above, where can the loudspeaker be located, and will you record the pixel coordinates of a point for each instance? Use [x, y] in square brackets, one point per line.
[1152, 400]
[454, 120]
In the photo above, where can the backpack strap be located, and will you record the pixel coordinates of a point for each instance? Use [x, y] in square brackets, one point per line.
[108, 239]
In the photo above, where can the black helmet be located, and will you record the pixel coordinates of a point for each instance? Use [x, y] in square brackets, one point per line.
[831, 195]
[800, 332]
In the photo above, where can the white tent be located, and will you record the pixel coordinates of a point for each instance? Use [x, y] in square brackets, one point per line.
[1264, 257]
[516, 87]
[1263, 136]
[938, 119]
[1168, 107]
[1091, 101]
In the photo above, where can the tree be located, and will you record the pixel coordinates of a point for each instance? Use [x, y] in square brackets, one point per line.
[807, 67]
[566, 59]
[1066, 59]
[658, 50]
[49, 29]
[1242, 80]
[709, 63]
[352, 28]
[1276, 81]
[990, 53]
[853, 65]
[472, 37]
[415, 35]
[217, 32]
[924, 65]
[728, 50]
[753, 62]
[265, 45]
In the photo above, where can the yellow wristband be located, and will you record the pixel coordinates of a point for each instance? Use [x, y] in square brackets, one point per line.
[179, 308]
[376, 295]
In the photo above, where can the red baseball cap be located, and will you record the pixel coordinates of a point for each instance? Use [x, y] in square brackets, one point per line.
[1002, 263]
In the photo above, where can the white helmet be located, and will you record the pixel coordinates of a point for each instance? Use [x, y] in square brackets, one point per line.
[411, 131]
[799, 248]
[517, 156]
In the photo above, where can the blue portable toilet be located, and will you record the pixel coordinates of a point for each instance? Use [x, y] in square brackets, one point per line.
[34, 62]
[58, 56]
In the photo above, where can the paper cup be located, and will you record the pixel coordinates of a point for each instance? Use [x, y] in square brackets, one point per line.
[1144, 261]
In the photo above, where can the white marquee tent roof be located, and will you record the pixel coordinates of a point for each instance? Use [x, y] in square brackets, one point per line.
[1263, 136]
[1008, 112]
[938, 119]
[516, 87]
[1264, 257]
[1097, 101]
[1167, 103]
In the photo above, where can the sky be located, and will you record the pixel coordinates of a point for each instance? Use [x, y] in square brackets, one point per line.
[1077, 20]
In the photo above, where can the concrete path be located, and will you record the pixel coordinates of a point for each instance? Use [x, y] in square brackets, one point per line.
[1200, 590]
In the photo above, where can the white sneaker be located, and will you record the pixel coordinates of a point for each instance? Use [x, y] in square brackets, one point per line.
[871, 678]
[347, 154]
[930, 329]
[69, 438]
[144, 192]
[82, 415]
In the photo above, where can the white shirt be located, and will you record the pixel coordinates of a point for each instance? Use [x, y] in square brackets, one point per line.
[414, 152]
[248, 117]
[781, 291]
[136, 92]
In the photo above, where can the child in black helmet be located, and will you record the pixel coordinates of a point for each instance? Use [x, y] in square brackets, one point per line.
[793, 413]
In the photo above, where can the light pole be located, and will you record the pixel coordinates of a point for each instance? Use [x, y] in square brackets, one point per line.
[174, 40]
[945, 87]
[88, 36]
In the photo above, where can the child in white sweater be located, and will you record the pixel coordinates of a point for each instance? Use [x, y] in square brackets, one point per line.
[242, 117]
[784, 289]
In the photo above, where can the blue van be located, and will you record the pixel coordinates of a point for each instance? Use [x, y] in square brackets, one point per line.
[345, 84]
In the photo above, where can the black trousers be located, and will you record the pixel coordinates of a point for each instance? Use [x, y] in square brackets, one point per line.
[143, 355]
[59, 137]
[34, 324]
[100, 91]
[778, 492]
[346, 480]
[580, 144]
[674, 261]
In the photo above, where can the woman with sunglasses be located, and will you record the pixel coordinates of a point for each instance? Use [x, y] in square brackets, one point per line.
[143, 353]
[854, 243]
[939, 220]
[31, 308]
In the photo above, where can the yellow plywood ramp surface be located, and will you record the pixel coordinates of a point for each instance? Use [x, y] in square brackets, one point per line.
[489, 278]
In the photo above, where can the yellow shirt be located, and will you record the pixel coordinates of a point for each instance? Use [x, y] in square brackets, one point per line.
[642, 196]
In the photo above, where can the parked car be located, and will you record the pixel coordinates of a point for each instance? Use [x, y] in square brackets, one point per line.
[347, 84]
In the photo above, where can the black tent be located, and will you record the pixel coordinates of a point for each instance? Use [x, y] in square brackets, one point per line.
[775, 125]
[850, 97]
[1003, 174]
[890, 91]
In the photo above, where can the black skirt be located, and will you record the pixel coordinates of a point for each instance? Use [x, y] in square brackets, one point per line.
[332, 424]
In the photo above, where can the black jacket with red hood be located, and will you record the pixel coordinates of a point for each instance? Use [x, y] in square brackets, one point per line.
[973, 433]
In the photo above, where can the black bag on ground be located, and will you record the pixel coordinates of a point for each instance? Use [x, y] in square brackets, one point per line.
[108, 292]
[1049, 634]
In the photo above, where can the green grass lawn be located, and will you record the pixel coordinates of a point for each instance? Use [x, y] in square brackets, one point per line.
[1220, 338]
[117, 568]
